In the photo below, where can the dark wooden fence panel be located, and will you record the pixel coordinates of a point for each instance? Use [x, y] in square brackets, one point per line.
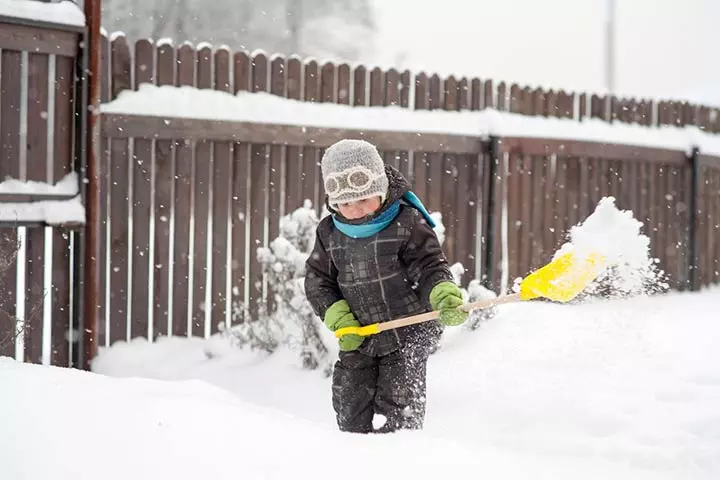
[37, 112]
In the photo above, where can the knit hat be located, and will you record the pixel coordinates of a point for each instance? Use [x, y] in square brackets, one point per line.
[353, 170]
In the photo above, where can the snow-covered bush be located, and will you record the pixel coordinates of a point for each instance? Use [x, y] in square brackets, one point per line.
[290, 322]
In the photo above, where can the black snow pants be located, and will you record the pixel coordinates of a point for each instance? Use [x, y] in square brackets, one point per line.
[393, 385]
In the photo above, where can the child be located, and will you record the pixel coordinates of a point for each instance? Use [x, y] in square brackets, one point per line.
[376, 258]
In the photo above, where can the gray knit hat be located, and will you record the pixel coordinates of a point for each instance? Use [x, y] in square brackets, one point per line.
[353, 170]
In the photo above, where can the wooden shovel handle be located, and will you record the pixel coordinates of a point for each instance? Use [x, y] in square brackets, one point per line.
[424, 317]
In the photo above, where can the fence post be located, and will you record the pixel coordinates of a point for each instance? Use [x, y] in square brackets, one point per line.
[694, 189]
[489, 226]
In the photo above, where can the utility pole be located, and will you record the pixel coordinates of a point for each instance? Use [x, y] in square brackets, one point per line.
[610, 48]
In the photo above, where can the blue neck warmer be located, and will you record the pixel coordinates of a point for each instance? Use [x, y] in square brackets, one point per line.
[378, 224]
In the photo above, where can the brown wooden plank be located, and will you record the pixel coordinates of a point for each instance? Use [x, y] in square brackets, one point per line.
[10, 114]
[476, 94]
[118, 241]
[34, 293]
[121, 66]
[499, 187]
[163, 178]
[526, 227]
[311, 180]
[202, 174]
[221, 198]
[360, 84]
[514, 216]
[312, 82]
[185, 68]
[488, 97]
[259, 173]
[517, 99]
[392, 87]
[61, 301]
[421, 91]
[544, 146]
[239, 217]
[241, 72]
[548, 220]
[141, 325]
[182, 212]
[466, 205]
[673, 228]
[343, 84]
[126, 126]
[144, 62]
[327, 83]
[8, 272]
[63, 111]
[9, 167]
[377, 87]
[540, 253]
[420, 175]
[19, 38]
[37, 170]
[105, 68]
[294, 78]
[448, 185]
[572, 185]
[584, 207]
[202, 167]
[294, 160]
[561, 204]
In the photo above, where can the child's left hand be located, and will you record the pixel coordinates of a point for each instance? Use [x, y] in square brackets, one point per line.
[446, 297]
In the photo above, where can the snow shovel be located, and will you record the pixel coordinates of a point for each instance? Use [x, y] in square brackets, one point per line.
[561, 280]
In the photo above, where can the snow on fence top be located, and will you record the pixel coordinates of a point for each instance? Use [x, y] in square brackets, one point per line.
[261, 107]
[68, 185]
[64, 12]
[67, 209]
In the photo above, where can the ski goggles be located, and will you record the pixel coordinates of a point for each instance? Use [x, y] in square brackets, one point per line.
[353, 180]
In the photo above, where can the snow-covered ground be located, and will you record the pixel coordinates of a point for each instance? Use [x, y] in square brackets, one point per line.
[624, 388]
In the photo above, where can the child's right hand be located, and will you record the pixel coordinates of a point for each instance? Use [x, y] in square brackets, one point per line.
[338, 316]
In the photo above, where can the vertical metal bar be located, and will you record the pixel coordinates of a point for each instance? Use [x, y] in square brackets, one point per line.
[92, 184]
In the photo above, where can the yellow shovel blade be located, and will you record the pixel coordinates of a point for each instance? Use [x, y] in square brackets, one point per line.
[562, 279]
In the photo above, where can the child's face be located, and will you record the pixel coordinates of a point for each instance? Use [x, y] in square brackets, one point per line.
[360, 208]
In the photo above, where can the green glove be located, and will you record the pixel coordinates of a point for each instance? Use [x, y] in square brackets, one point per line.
[446, 297]
[338, 316]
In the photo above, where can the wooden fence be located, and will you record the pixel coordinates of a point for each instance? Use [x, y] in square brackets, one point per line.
[128, 65]
[185, 203]
[37, 119]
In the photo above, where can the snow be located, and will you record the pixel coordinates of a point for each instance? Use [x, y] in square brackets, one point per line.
[261, 107]
[626, 389]
[65, 12]
[616, 236]
[623, 388]
[51, 212]
[68, 185]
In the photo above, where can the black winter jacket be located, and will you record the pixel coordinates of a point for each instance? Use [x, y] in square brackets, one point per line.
[383, 277]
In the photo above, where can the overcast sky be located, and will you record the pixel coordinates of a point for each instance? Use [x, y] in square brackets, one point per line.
[665, 48]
